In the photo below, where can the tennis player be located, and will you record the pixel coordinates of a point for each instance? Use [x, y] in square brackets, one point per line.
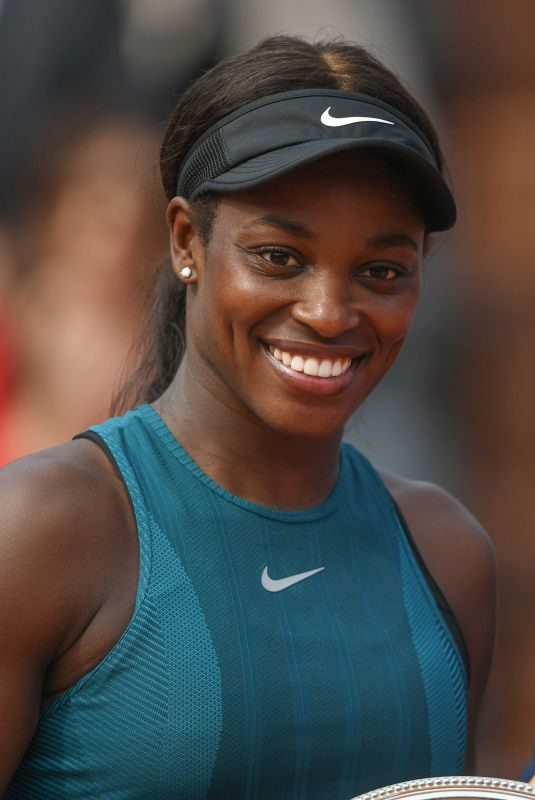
[211, 596]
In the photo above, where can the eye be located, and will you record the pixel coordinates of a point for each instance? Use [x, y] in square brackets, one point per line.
[381, 272]
[278, 257]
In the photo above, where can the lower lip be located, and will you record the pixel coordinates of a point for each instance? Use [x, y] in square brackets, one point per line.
[324, 387]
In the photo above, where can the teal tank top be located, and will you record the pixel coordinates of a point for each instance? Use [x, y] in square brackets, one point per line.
[272, 655]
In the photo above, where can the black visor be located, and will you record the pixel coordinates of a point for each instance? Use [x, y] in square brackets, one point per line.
[276, 134]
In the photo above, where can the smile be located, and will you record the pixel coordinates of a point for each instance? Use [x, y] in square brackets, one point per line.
[310, 365]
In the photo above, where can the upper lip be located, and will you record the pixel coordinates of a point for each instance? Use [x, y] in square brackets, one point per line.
[330, 351]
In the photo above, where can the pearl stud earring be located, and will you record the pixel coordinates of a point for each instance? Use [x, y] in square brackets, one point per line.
[186, 272]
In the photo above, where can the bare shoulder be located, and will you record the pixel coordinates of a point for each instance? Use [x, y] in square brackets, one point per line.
[460, 557]
[57, 475]
[56, 511]
[455, 546]
[54, 497]
[63, 538]
[438, 520]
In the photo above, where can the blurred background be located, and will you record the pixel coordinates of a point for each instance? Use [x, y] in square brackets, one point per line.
[85, 86]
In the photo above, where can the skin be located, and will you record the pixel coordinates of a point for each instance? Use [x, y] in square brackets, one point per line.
[335, 270]
[251, 429]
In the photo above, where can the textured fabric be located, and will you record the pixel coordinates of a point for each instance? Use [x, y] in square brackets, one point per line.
[221, 690]
[529, 770]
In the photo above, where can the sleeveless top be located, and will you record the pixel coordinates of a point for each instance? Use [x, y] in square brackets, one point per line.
[241, 676]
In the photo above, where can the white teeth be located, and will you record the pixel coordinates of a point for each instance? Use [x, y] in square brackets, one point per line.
[310, 365]
[324, 370]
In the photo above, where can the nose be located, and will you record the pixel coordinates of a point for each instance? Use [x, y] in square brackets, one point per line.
[328, 307]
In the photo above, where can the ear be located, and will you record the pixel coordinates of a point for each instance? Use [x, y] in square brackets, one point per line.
[185, 245]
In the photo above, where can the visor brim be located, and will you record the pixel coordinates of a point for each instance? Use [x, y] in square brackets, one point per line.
[437, 201]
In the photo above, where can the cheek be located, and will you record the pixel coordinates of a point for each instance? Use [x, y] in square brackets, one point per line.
[226, 309]
[237, 296]
[391, 328]
[394, 319]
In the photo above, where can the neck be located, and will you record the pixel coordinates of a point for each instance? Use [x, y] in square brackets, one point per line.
[242, 454]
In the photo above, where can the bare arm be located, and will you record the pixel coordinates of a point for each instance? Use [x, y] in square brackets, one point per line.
[57, 567]
[459, 555]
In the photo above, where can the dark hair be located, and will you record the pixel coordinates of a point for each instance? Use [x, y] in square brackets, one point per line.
[276, 64]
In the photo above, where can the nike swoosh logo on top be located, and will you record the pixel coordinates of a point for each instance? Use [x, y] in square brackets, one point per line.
[335, 122]
[283, 583]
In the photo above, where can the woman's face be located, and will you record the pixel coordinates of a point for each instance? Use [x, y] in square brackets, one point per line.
[305, 293]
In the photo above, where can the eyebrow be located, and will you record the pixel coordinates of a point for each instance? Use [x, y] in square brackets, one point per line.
[393, 239]
[387, 239]
[285, 223]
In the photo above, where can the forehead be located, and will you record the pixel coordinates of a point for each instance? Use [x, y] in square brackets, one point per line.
[361, 186]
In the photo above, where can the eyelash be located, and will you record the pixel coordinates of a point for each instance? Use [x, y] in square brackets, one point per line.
[261, 253]
[266, 250]
[399, 272]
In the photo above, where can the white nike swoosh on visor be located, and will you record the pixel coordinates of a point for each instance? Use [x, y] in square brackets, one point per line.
[283, 583]
[335, 122]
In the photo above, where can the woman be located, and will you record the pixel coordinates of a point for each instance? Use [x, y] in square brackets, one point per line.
[211, 596]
